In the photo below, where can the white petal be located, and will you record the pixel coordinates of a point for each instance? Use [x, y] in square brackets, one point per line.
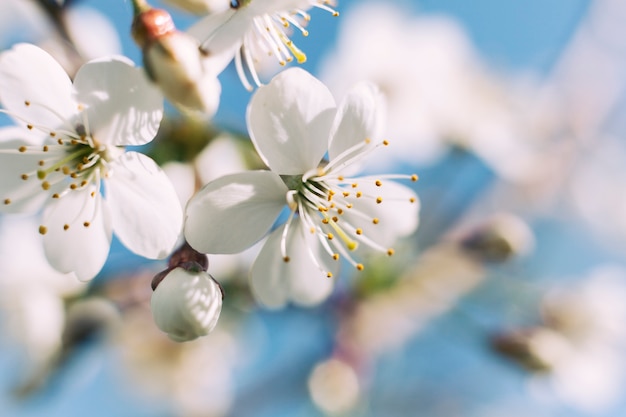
[146, 214]
[233, 212]
[358, 118]
[123, 107]
[80, 249]
[289, 121]
[275, 282]
[221, 34]
[397, 215]
[29, 74]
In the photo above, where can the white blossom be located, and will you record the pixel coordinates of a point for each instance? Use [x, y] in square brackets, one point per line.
[253, 29]
[70, 142]
[293, 123]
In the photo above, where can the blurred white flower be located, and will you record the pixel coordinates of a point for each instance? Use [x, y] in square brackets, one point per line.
[71, 142]
[331, 211]
[174, 61]
[438, 91]
[252, 29]
[186, 304]
[334, 386]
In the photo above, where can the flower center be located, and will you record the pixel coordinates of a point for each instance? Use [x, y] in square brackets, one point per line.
[338, 210]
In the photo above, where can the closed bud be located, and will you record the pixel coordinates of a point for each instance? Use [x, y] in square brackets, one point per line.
[175, 62]
[186, 303]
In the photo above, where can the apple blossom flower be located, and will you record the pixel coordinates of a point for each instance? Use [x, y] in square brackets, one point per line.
[175, 62]
[293, 122]
[69, 144]
[252, 29]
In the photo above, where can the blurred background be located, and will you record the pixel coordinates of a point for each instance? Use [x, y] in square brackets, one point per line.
[509, 300]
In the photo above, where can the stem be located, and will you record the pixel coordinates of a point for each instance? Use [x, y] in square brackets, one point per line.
[140, 6]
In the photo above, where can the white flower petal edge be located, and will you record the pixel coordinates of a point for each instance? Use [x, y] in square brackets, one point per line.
[77, 233]
[233, 212]
[29, 71]
[360, 116]
[136, 187]
[291, 116]
[122, 106]
[302, 281]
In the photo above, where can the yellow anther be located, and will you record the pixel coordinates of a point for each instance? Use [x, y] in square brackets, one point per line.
[60, 141]
[412, 199]
[330, 236]
[322, 208]
[73, 175]
[66, 226]
[340, 178]
[349, 206]
[359, 231]
[43, 230]
[325, 221]
[346, 194]
[52, 134]
[368, 141]
[385, 142]
[378, 183]
[360, 267]
[414, 177]
[55, 195]
[86, 224]
[22, 149]
[93, 194]
[375, 220]
[45, 185]
[379, 200]
[354, 185]
[83, 183]
[336, 256]
[329, 274]
[312, 230]
[73, 186]
[24, 177]
[359, 194]
[339, 211]
[335, 219]
[65, 170]
[27, 103]
[7, 201]
[30, 127]
[45, 148]
[286, 259]
[390, 251]
[42, 163]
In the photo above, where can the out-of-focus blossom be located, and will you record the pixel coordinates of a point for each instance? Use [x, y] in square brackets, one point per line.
[31, 294]
[253, 29]
[334, 386]
[580, 342]
[201, 6]
[331, 211]
[70, 143]
[438, 92]
[174, 61]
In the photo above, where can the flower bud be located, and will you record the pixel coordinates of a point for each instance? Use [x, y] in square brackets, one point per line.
[175, 62]
[186, 303]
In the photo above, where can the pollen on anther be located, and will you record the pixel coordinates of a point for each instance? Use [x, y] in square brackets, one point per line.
[86, 224]
[412, 199]
[42, 163]
[27, 103]
[330, 236]
[359, 194]
[65, 170]
[359, 231]
[390, 251]
[354, 185]
[312, 230]
[66, 226]
[329, 275]
[339, 211]
[60, 141]
[83, 183]
[414, 177]
[335, 256]
[378, 183]
[43, 230]
[55, 195]
[360, 267]
[93, 194]
[335, 219]
[30, 127]
[45, 185]
[7, 201]
[375, 220]
[379, 200]
[24, 177]
[53, 134]
[385, 142]
[340, 178]
[73, 186]
[325, 221]
[286, 259]
[346, 194]
[348, 206]
[45, 148]
[22, 149]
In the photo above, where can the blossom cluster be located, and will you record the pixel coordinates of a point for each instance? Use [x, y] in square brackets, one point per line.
[74, 155]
